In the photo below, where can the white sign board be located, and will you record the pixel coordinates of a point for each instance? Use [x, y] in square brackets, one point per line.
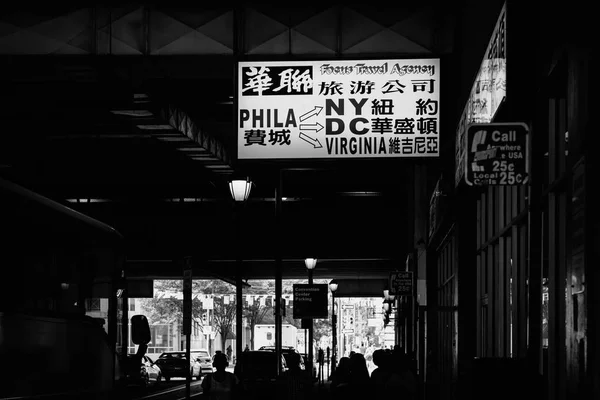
[338, 109]
[374, 322]
[487, 93]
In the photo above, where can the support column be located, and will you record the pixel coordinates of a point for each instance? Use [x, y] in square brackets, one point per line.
[465, 261]
[432, 377]
[125, 319]
[238, 53]
[333, 334]
[187, 317]
[238, 285]
[534, 246]
[113, 303]
[278, 272]
[310, 332]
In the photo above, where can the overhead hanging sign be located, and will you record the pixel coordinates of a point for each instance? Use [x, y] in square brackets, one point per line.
[487, 93]
[401, 283]
[497, 154]
[338, 109]
[310, 301]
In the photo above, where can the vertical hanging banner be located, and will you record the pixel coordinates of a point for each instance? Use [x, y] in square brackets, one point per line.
[338, 109]
[488, 92]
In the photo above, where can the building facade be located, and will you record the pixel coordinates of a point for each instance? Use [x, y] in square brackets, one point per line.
[509, 267]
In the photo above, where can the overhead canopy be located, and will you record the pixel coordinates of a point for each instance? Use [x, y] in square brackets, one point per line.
[360, 287]
[144, 140]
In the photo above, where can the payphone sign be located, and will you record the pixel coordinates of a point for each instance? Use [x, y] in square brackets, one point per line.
[497, 154]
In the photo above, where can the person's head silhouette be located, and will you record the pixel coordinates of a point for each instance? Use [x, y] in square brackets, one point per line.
[220, 362]
[294, 361]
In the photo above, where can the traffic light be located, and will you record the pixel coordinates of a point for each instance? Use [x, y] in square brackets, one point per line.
[351, 320]
[204, 319]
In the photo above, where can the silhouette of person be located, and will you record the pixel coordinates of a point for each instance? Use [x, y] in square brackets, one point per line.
[359, 376]
[221, 384]
[340, 380]
[402, 380]
[382, 373]
[297, 381]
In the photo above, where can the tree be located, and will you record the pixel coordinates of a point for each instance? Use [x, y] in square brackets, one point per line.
[255, 313]
[167, 304]
[269, 318]
[223, 317]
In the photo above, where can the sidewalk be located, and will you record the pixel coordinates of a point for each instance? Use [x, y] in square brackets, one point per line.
[321, 391]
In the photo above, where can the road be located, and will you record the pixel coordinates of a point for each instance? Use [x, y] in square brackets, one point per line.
[172, 390]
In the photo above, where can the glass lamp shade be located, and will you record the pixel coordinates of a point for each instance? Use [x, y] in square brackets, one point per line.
[333, 285]
[386, 307]
[310, 263]
[240, 189]
[386, 294]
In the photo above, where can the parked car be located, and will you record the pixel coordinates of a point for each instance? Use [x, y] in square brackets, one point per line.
[152, 370]
[141, 374]
[286, 351]
[174, 364]
[203, 362]
[257, 372]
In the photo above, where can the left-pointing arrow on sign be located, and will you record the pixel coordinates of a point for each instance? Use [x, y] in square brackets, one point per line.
[308, 139]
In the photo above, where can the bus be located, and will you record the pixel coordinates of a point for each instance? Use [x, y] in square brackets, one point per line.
[54, 262]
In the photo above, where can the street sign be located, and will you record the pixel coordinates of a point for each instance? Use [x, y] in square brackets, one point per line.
[401, 283]
[329, 109]
[497, 154]
[347, 331]
[310, 301]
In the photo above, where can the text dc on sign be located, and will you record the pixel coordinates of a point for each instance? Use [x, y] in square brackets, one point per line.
[338, 109]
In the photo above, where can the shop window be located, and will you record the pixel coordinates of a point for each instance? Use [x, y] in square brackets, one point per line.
[501, 283]
[92, 304]
[545, 307]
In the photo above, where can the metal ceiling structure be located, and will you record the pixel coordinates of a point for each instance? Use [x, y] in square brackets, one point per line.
[136, 130]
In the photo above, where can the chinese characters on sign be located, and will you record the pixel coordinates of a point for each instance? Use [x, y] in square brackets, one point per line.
[487, 93]
[338, 109]
[497, 154]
